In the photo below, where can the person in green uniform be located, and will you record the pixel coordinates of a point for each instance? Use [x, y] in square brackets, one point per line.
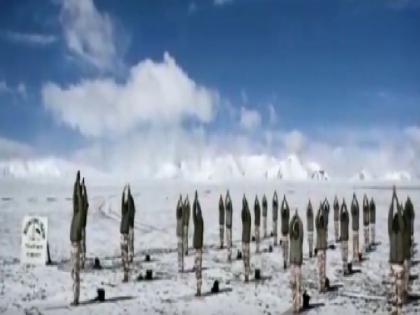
[186, 223]
[396, 227]
[124, 230]
[355, 228]
[372, 220]
[221, 221]
[344, 235]
[285, 221]
[198, 242]
[321, 246]
[84, 214]
[131, 215]
[179, 235]
[275, 216]
[296, 259]
[366, 243]
[264, 215]
[310, 227]
[229, 214]
[246, 237]
[76, 237]
[336, 207]
[257, 222]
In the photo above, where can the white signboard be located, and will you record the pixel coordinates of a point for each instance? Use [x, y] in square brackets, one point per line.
[34, 240]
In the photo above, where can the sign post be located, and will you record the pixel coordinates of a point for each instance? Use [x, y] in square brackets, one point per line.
[34, 240]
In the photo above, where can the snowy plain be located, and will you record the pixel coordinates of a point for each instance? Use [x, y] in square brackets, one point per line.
[48, 289]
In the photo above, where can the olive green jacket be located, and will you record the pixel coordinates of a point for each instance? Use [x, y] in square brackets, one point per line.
[372, 211]
[179, 216]
[310, 217]
[221, 211]
[198, 224]
[344, 222]
[396, 232]
[131, 209]
[257, 212]
[321, 229]
[186, 212]
[125, 212]
[296, 240]
[229, 211]
[409, 207]
[264, 207]
[326, 207]
[365, 211]
[275, 206]
[355, 214]
[76, 222]
[336, 207]
[246, 222]
[285, 217]
[85, 204]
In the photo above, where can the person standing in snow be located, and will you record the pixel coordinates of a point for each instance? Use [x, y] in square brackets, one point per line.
[198, 242]
[344, 235]
[336, 207]
[372, 220]
[396, 255]
[366, 223]
[131, 215]
[257, 222]
[246, 237]
[355, 228]
[409, 208]
[229, 213]
[285, 220]
[179, 234]
[310, 226]
[296, 258]
[221, 221]
[125, 230]
[326, 206]
[264, 215]
[407, 246]
[76, 237]
[84, 221]
[275, 216]
[186, 212]
[321, 246]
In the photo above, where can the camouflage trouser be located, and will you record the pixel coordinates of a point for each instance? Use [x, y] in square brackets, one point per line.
[366, 238]
[337, 230]
[246, 257]
[397, 271]
[275, 232]
[75, 271]
[221, 234]
[197, 267]
[130, 244]
[311, 242]
[296, 286]
[322, 256]
[229, 242]
[406, 276]
[355, 235]
[372, 233]
[83, 249]
[180, 254]
[124, 255]
[285, 249]
[185, 242]
[265, 226]
[345, 254]
[257, 239]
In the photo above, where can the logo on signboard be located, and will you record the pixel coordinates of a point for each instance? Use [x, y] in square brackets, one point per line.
[34, 240]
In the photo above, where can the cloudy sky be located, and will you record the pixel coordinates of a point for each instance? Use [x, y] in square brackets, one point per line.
[116, 84]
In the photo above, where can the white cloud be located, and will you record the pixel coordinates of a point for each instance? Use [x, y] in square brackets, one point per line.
[5, 88]
[294, 142]
[90, 34]
[12, 149]
[154, 93]
[222, 2]
[272, 114]
[250, 119]
[30, 38]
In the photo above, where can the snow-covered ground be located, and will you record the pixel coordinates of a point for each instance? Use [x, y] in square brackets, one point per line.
[37, 290]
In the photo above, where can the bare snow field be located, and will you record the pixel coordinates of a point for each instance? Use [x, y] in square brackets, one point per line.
[48, 289]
